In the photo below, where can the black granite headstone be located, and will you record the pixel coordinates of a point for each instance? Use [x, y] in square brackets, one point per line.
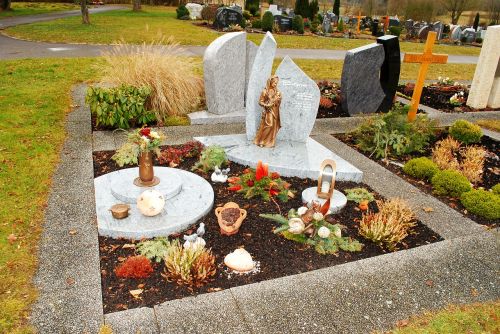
[284, 22]
[375, 28]
[390, 70]
[225, 17]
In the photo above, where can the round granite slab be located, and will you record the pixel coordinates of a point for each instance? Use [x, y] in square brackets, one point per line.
[337, 202]
[124, 189]
[194, 200]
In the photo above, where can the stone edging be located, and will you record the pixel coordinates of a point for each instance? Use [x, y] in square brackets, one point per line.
[351, 298]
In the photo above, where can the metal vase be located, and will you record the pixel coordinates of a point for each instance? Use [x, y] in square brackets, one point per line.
[146, 172]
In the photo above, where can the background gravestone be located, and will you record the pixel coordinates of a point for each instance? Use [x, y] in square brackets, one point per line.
[326, 25]
[284, 22]
[456, 33]
[224, 17]
[224, 73]
[389, 73]
[438, 28]
[261, 71]
[424, 31]
[469, 34]
[360, 83]
[299, 104]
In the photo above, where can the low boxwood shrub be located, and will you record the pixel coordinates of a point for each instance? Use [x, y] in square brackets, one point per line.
[257, 24]
[482, 203]
[267, 21]
[182, 12]
[421, 168]
[298, 24]
[120, 107]
[450, 183]
[496, 188]
[466, 132]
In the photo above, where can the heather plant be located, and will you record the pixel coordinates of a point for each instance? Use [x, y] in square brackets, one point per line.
[391, 134]
[421, 168]
[175, 89]
[390, 225]
[193, 266]
[211, 157]
[173, 156]
[482, 203]
[134, 267]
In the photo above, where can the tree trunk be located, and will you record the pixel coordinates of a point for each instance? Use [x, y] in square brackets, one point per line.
[5, 5]
[137, 5]
[85, 12]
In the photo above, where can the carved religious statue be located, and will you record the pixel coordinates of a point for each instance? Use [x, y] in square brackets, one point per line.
[270, 100]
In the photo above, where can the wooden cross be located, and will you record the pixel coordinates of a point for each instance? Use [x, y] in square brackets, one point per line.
[425, 60]
[386, 24]
[359, 21]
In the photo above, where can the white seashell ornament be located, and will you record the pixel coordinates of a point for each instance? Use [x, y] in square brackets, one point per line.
[324, 232]
[239, 260]
[296, 226]
[151, 202]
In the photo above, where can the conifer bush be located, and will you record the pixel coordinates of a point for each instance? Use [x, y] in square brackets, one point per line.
[267, 21]
[466, 132]
[298, 24]
[421, 168]
[482, 203]
[450, 183]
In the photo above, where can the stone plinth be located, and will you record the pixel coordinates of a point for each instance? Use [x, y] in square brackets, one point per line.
[287, 158]
[485, 88]
[192, 202]
[204, 117]
[224, 64]
[337, 202]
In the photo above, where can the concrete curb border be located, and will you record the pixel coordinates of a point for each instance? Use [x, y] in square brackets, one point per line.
[351, 298]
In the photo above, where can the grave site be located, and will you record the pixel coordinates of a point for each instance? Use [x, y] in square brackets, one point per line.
[232, 192]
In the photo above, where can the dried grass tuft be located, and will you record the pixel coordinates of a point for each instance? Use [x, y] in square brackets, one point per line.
[444, 152]
[160, 65]
[473, 163]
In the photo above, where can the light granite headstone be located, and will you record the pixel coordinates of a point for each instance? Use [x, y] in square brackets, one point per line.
[485, 88]
[251, 52]
[224, 73]
[261, 71]
[456, 33]
[360, 83]
[194, 10]
[299, 104]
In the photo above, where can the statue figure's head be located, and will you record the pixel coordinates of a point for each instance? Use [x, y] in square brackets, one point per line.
[272, 82]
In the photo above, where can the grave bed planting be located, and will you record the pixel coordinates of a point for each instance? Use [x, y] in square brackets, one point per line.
[490, 176]
[438, 96]
[276, 255]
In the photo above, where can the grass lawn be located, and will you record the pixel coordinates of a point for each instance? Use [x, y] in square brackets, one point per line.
[34, 100]
[32, 8]
[147, 25]
[464, 319]
[491, 124]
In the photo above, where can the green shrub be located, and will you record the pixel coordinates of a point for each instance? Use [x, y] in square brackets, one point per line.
[396, 31]
[482, 203]
[211, 157]
[208, 13]
[247, 15]
[257, 24]
[314, 25]
[391, 133]
[340, 25]
[450, 183]
[496, 188]
[466, 132]
[479, 40]
[267, 21]
[253, 9]
[182, 11]
[120, 107]
[298, 24]
[307, 23]
[359, 195]
[421, 168]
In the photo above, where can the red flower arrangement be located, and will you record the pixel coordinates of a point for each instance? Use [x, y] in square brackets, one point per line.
[259, 182]
[134, 267]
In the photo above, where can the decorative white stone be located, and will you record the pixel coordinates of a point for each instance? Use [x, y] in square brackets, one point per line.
[224, 73]
[194, 10]
[337, 202]
[287, 158]
[151, 202]
[124, 190]
[261, 71]
[193, 202]
[299, 104]
[251, 52]
[239, 260]
[485, 88]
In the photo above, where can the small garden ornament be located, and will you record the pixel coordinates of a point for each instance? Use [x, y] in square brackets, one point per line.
[195, 239]
[230, 217]
[151, 202]
[270, 100]
[220, 175]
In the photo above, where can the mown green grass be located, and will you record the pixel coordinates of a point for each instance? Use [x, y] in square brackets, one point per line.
[32, 8]
[152, 22]
[480, 318]
[34, 101]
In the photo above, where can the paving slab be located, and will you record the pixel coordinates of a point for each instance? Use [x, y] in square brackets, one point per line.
[139, 320]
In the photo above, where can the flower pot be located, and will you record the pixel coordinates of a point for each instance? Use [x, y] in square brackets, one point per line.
[230, 218]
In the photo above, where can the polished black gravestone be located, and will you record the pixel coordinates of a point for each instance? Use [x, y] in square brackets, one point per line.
[225, 17]
[361, 90]
[284, 22]
[390, 70]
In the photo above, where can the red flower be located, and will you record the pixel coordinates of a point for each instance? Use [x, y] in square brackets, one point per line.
[261, 171]
[233, 179]
[250, 183]
[145, 132]
[235, 188]
[246, 171]
[275, 175]
[273, 192]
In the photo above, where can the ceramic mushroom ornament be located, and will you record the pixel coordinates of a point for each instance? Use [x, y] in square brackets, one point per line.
[151, 202]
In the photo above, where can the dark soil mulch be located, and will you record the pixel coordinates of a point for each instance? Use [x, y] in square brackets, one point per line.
[277, 256]
[439, 98]
[491, 173]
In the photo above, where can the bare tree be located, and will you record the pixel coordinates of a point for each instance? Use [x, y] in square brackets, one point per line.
[85, 12]
[493, 8]
[457, 7]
